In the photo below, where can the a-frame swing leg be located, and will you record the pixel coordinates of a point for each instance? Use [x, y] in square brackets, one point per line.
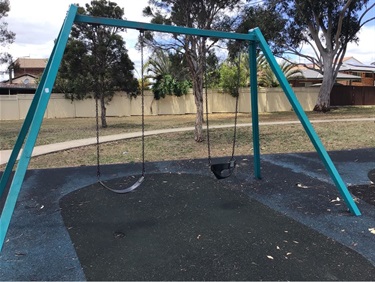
[33, 124]
[306, 123]
[254, 107]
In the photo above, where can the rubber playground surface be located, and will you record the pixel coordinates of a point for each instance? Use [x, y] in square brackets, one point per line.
[184, 224]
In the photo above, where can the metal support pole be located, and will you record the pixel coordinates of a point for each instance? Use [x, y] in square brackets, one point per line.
[254, 107]
[306, 124]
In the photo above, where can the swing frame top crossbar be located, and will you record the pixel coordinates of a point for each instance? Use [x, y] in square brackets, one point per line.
[29, 131]
[164, 28]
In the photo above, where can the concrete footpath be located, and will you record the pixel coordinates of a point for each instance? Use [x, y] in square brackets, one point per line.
[50, 148]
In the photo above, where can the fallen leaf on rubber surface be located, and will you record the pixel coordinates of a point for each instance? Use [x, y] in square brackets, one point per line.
[270, 257]
[301, 186]
[336, 200]
[372, 230]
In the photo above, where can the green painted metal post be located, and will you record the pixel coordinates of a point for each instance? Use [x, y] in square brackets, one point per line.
[254, 107]
[46, 90]
[306, 124]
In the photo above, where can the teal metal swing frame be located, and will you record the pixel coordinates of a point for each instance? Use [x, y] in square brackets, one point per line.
[32, 123]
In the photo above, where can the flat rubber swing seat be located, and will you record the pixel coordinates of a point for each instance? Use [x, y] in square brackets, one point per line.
[126, 190]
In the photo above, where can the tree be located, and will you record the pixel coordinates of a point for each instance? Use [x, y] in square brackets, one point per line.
[168, 73]
[202, 14]
[269, 21]
[327, 27]
[6, 36]
[234, 75]
[96, 62]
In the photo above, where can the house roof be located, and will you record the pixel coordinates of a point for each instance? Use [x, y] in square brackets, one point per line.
[351, 60]
[352, 64]
[31, 63]
[353, 67]
[18, 77]
[312, 74]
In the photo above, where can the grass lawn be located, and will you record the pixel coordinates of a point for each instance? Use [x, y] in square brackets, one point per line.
[172, 146]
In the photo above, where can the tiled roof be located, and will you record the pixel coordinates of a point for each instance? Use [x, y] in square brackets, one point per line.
[31, 63]
[311, 74]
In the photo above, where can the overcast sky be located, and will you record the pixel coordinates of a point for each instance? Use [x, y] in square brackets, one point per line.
[37, 23]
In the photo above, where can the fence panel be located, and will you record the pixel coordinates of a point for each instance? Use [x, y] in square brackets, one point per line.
[342, 95]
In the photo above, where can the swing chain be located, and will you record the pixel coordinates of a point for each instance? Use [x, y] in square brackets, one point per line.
[206, 94]
[141, 32]
[97, 138]
[237, 98]
[236, 109]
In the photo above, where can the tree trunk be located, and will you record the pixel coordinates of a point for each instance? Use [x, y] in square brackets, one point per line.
[103, 112]
[198, 95]
[323, 102]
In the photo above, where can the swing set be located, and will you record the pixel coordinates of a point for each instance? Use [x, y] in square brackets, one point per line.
[32, 123]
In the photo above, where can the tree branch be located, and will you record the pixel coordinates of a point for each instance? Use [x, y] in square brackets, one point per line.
[339, 25]
[369, 20]
[364, 13]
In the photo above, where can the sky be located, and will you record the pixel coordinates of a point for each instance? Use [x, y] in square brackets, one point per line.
[37, 23]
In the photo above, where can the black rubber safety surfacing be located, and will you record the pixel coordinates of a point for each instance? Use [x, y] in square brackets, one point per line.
[371, 175]
[183, 227]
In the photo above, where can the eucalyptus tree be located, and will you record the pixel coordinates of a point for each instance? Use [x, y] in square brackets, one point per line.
[96, 61]
[202, 14]
[326, 27]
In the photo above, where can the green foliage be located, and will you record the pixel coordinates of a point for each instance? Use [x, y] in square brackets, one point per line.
[335, 18]
[267, 78]
[6, 36]
[269, 21]
[233, 76]
[167, 71]
[167, 85]
[96, 62]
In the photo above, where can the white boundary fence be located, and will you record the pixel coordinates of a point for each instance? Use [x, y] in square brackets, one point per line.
[14, 107]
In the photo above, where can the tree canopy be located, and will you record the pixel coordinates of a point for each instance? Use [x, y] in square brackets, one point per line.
[6, 36]
[96, 61]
